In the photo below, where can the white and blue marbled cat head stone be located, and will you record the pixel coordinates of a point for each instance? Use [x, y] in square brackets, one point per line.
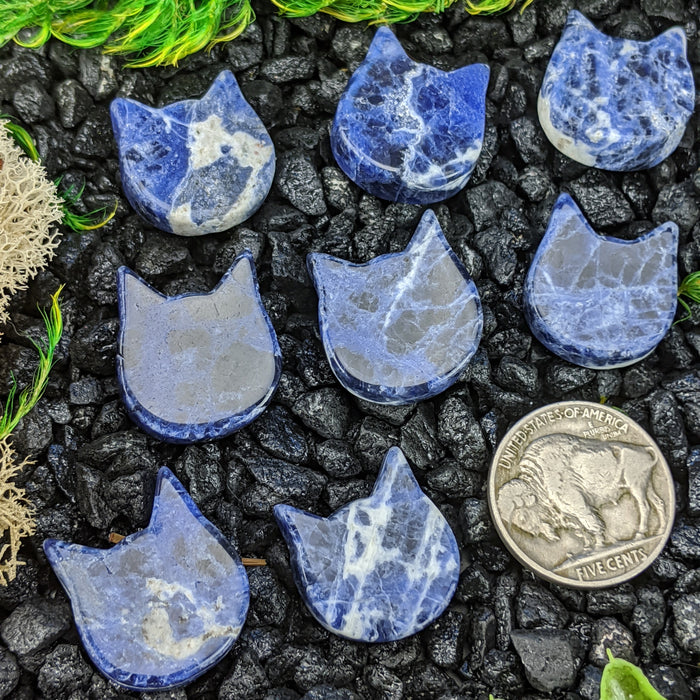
[195, 166]
[616, 104]
[163, 605]
[401, 327]
[408, 132]
[196, 366]
[380, 568]
[598, 301]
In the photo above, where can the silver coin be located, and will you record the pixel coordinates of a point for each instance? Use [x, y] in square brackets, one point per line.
[581, 494]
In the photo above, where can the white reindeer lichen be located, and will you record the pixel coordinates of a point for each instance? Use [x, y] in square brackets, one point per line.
[29, 207]
[16, 513]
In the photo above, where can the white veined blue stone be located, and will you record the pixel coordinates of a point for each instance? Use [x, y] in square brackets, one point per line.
[403, 326]
[599, 301]
[163, 605]
[380, 568]
[196, 366]
[613, 103]
[408, 132]
[195, 166]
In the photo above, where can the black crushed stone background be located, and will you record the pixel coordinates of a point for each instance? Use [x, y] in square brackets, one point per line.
[95, 471]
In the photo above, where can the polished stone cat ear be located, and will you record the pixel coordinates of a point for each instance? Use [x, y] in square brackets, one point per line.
[616, 104]
[380, 568]
[196, 366]
[598, 301]
[195, 166]
[408, 132]
[402, 327]
[163, 605]
[674, 38]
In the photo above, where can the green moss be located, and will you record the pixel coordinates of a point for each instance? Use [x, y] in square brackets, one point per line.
[388, 11]
[156, 32]
[163, 32]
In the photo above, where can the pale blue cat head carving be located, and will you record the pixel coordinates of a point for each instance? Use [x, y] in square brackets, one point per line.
[599, 301]
[380, 568]
[402, 327]
[196, 366]
[614, 103]
[165, 604]
[408, 132]
[196, 166]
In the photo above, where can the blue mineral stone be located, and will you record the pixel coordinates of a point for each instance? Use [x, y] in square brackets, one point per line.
[380, 568]
[408, 132]
[196, 166]
[401, 327]
[616, 104]
[163, 605]
[196, 366]
[599, 301]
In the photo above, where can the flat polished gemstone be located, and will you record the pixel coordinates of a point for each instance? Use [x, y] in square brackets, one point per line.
[408, 132]
[196, 366]
[401, 327]
[599, 301]
[616, 104]
[380, 568]
[163, 605]
[196, 166]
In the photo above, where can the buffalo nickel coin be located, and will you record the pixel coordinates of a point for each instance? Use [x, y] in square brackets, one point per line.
[581, 494]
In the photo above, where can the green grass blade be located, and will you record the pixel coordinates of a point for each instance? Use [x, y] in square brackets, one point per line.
[88, 222]
[22, 137]
[690, 288]
[83, 222]
[18, 407]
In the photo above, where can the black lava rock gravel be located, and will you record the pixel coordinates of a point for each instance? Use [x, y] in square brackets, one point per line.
[317, 447]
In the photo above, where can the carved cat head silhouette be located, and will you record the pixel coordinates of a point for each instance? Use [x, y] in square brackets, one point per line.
[196, 366]
[408, 132]
[380, 568]
[163, 605]
[599, 301]
[401, 327]
[195, 166]
[613, 103]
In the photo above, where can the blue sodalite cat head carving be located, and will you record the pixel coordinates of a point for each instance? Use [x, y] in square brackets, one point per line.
[163, 605]
[408, 132]
[598, 301]
[402, 327]
[196, 366]
[614, 103]
[380, 568]
[196, 166]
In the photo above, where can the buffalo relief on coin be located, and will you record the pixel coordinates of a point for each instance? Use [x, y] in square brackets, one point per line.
[581, 494]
